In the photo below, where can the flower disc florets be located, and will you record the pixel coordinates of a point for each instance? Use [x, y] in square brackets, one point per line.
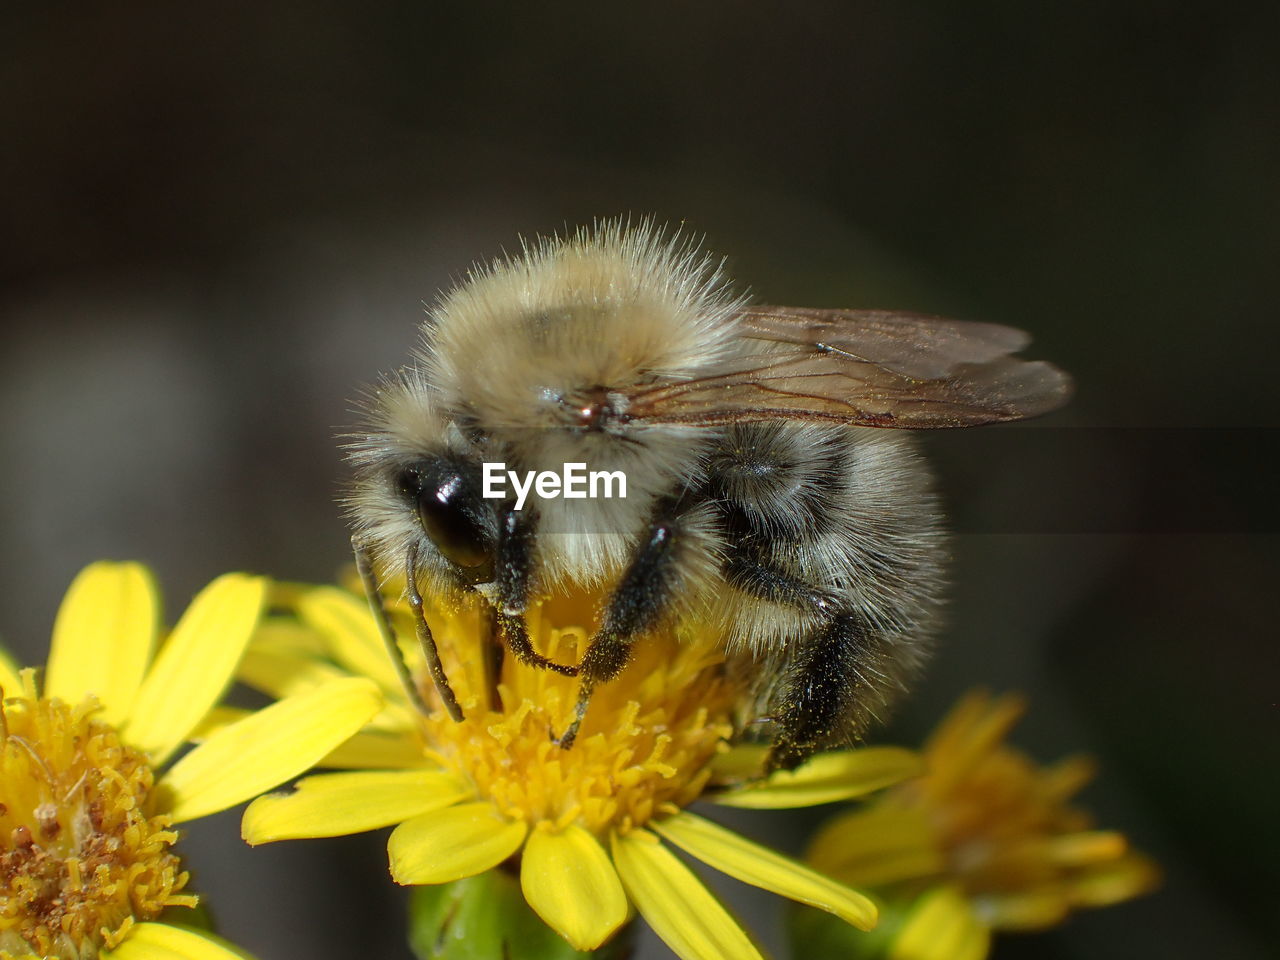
[89, 787]
[80, 858]
[644, 748]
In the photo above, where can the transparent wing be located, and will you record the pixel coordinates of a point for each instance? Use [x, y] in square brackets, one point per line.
[870, 367]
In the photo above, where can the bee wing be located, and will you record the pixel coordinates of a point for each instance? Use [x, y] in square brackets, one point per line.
[870, 367]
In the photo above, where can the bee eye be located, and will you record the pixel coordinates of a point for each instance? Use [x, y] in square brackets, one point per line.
[452, 515]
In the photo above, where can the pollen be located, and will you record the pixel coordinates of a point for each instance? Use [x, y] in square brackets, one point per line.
[81, 860]
[644, 749]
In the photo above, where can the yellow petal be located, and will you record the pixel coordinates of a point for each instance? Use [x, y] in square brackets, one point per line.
[975, 944]
[336, 804]
[453, 843]
[878, 845]
[10, 683]
[571, 884]
[165, 941]
[974, 728]
[759, 866]
[827, 778]
[1064, 779]
[683, 912]
[353, 635]
[104, 636]
[268, 747]
[741, 763]
[941, 926]
[215, 720]
[1104, 884]
[370, 750]
[281, 635]
[1025, 910]
[956, 725]
[1085, 847]
[196, 664]
[282, 674]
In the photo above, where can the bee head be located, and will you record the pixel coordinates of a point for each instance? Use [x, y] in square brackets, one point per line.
[418, 488]
[445, 494]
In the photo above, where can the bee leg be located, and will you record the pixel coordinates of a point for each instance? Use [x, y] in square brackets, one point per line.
[821, 701]
[426, 641]
[759, 578]
[820, 688]
[516, 634]
[515, 563]
[606, 655]
[372, 592]
[566, 739]
[493, 662]
[635, 607]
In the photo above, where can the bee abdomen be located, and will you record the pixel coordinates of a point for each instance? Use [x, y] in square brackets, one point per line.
[778, 480]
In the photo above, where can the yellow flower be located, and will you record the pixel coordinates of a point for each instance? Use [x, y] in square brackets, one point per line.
[593, 826]
[985, 840]
[88, 795]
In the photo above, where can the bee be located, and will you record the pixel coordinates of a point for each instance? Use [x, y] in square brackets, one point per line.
[772, 487]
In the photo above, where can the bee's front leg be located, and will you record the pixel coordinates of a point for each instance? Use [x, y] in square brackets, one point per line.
[373, 593]
[513, 574]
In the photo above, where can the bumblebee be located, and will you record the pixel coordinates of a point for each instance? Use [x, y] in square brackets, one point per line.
[772, 485]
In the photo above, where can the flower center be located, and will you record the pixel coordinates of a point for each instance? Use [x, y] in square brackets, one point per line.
[80, 860]
[644, 748]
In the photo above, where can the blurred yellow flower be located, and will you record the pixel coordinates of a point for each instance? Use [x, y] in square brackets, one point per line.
[593, 826]
[985, 840]
[86, 815]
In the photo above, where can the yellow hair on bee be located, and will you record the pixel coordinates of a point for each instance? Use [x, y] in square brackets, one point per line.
[613, 307]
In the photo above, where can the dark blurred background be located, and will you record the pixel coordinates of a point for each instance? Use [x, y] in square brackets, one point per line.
[217, 221]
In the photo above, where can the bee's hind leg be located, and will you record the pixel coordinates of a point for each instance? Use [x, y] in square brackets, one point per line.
[828, 692]
[821, 699]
